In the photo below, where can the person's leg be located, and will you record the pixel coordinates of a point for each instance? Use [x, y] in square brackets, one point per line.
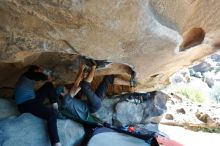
[38, 109]
[107, 80]
[103, 86]
[95, 98]
[94, 102]
[47, 91]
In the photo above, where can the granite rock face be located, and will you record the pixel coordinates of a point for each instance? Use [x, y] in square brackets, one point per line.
[7, 108]
[141, 35]
[28, 130]
[130, 109]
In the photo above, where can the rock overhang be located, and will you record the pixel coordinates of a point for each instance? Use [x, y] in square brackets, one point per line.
[145, 36]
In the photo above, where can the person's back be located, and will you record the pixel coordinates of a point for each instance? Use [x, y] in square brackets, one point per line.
[76, 106]
[24, 89]
[29, 101]
[80, 108]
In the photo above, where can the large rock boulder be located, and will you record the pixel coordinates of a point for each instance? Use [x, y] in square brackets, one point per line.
[7, 108]
[28, 130]
[202, 67]
[144, 35]
[215, 57]
[127, 109]
[106, 113]
[129, 113]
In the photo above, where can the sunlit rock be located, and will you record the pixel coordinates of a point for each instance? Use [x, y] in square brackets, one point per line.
[144, 35]
[169, 117]
[193, 37]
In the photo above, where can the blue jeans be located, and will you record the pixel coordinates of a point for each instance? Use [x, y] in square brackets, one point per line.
[95, 98]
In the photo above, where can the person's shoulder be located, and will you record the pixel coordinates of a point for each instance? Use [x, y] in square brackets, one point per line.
[68, 100]
[68, 97]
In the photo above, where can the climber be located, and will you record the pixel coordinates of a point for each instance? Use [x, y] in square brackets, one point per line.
[80, 108]
[29, 101]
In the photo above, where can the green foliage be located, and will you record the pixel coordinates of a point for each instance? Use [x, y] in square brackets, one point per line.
[195, 95]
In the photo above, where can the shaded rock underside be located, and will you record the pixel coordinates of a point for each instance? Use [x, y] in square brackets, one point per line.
[153, 38]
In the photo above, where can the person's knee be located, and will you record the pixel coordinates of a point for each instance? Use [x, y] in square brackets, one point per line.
[99, 105]
[85, 85]
[109, 78]
[52, 119]
[49, 85]
[96, 107]
[52, 116]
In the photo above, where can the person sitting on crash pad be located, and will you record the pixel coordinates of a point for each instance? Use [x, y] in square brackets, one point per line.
[82, 108]
[29, 101]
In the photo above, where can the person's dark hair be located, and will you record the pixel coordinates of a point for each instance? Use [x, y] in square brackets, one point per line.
[33, 68]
